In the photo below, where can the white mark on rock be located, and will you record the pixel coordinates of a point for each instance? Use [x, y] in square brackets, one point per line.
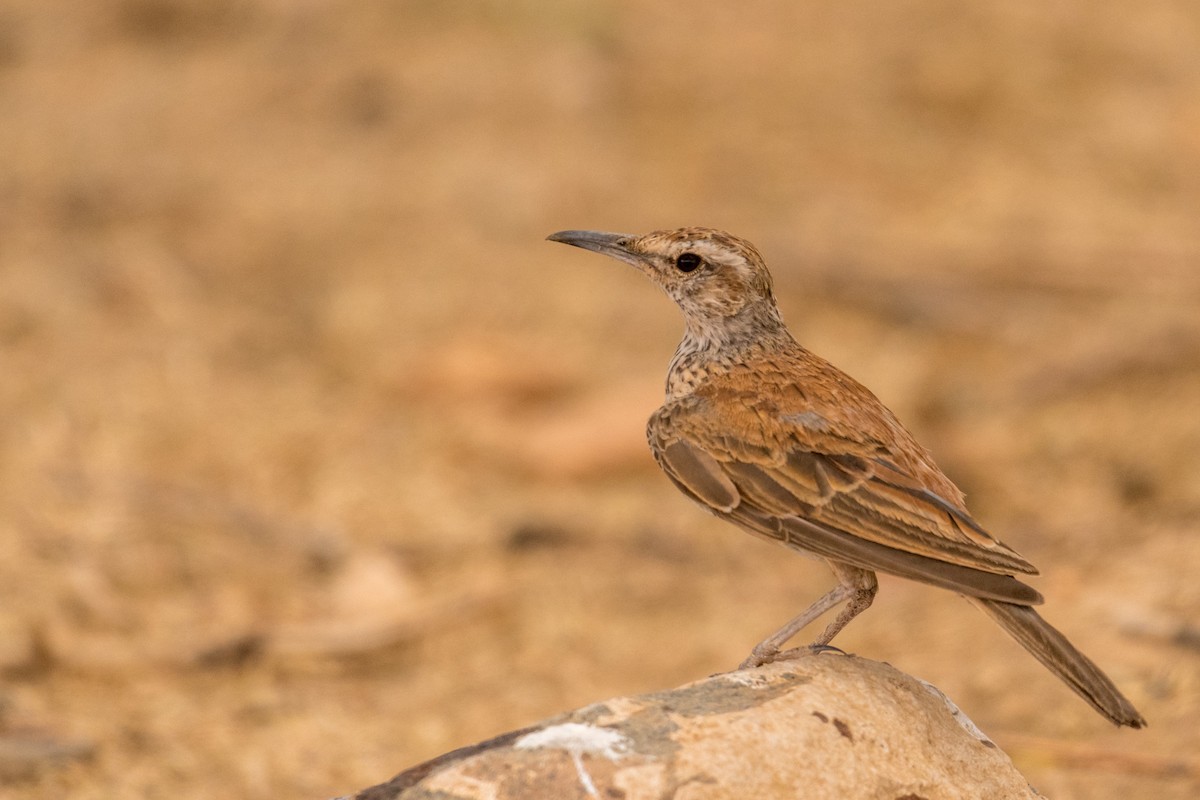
[746, 677]
[577, 739]
[582, 772]
[959, 717]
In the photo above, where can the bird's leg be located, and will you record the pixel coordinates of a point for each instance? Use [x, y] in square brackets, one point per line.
[854, 584]
[862, 587]
[768, 649]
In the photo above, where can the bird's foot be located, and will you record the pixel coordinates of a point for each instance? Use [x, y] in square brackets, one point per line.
[761, 655]
[809, 650]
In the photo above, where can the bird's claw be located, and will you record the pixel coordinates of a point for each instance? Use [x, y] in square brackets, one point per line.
[758, 657]
[764, 656]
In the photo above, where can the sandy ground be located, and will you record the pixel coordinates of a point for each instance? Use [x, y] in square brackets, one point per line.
[316, 460]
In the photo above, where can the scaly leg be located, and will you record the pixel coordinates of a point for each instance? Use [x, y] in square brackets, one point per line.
[858, 586]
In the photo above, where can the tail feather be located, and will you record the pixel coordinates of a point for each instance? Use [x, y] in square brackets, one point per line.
[1060, 656]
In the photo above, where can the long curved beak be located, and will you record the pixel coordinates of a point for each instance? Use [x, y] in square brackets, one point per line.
[614, 245]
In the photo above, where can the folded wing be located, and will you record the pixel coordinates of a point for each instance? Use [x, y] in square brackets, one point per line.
[841, 499]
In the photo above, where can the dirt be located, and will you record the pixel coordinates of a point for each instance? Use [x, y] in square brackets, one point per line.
[316, 461]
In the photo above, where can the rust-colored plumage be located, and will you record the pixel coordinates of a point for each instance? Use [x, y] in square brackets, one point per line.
[761, 432]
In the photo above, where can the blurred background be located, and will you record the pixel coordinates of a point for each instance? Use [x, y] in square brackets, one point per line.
[317, 461]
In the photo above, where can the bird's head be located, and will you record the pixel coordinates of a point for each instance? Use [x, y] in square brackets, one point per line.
[714, 276]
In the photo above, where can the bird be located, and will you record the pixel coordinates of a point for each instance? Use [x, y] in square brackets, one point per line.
[771, 437]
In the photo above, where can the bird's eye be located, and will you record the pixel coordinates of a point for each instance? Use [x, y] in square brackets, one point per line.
[687, 262]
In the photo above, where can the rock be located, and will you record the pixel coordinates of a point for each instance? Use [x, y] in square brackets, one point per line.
[821, 726]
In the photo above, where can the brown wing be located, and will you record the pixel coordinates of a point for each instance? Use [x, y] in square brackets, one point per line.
[795, 478]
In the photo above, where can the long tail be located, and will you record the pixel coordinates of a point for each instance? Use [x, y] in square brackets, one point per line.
[1060, 656]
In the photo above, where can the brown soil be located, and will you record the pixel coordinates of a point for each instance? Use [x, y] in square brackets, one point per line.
[316, 461]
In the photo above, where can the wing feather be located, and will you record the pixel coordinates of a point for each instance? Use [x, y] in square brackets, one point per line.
[703, 476]
[833, 497]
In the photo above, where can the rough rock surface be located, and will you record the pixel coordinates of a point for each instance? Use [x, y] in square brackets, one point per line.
[821, 726]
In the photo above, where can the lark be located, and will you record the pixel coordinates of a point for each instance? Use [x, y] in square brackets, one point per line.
[765, 434]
